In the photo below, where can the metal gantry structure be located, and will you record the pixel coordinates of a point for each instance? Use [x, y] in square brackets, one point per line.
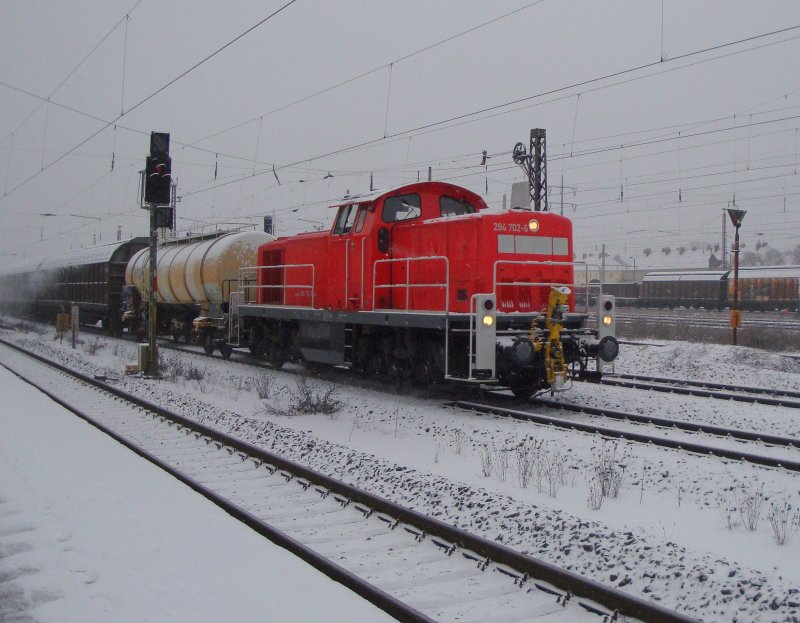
[534, 164]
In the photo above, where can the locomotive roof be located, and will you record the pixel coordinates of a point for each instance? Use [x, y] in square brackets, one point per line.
[376, 194]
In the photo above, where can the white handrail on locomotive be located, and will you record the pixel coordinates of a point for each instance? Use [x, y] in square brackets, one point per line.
[245, 287]
[408, 285]
[248, 287]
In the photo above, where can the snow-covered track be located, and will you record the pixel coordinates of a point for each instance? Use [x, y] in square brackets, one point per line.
[414, 567]
[666, 442]
[777, 398]
[747, 389]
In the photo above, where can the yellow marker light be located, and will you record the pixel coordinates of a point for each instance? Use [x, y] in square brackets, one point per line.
[608, 321]
[488, 320]
[533, 225]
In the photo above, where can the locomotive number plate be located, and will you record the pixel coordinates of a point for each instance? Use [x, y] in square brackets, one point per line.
[517, 227]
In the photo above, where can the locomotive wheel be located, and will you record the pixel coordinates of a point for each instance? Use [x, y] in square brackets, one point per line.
[208, 344]
[521, 391]
[276, 360]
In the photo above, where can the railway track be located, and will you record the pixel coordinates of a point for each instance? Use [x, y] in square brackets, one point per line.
[768, 391]
[655, 440]
[706, 319]
[764, 396]
[414, 567]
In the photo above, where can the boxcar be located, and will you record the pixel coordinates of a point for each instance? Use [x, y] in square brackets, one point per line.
[90, 278]
[767, 288]
[705, 289]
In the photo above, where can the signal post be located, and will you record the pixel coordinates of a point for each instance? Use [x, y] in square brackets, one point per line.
[159, 199]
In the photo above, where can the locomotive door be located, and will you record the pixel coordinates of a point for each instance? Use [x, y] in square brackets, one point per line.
[346, 258]
[357, 270]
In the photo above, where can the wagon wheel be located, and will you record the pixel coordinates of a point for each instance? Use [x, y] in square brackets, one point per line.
[208, 344]
[226, 350]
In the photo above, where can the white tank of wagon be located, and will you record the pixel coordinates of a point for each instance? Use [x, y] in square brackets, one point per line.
[198, 273]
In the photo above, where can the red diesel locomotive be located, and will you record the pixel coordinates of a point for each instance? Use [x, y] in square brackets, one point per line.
[423, 282]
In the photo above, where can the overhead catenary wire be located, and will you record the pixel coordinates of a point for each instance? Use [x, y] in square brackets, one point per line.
[149, 97]
[412, 131]
[74, 69]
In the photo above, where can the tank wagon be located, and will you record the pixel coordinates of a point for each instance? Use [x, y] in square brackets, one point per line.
[193, 284]
[90, 278]
[422, 282]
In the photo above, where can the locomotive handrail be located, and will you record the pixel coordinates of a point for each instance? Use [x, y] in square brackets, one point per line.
[408, 285]
[282, 287]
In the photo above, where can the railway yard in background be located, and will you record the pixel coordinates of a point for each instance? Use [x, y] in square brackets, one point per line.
[689, 524]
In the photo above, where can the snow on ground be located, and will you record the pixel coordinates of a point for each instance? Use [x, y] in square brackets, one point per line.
[91, 532]
[673, 534]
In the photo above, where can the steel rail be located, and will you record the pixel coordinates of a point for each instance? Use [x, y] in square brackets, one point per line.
[702, 393]
[708, 384]
[384, 601]
[527, 566]
[612, 433]
[692, 427]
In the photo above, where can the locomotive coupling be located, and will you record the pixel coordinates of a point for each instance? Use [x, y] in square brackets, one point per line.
[607, 348]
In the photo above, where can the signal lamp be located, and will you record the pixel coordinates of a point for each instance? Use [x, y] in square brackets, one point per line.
[488, 320]
[608, 320]
[608, 305]
[488, 305]
[533, 225]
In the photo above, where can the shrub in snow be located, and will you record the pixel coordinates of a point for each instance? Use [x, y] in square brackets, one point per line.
[306, 398]
[727, 508]
[263, 386]
[594, 497]
[501, 464]
[609, 469]
[783, 520]
[750, 504]
[487, 461]
[526, 455]
[93, 347]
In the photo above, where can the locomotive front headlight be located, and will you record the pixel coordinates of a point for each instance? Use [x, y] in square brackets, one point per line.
[533, 225]
[488, 320]
[608, 320]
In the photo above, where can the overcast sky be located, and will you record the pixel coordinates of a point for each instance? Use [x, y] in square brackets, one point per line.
[716, 125]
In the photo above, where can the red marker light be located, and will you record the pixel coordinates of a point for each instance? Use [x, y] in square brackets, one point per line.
[608, 305]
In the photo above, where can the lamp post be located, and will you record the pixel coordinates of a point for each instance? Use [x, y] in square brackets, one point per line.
[634, 267]
[736, 316]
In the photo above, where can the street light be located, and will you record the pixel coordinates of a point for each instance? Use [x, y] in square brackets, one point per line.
[634, 267]
[736, 315]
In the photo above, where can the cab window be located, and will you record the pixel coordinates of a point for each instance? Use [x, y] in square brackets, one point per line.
[345, 219]
[362, 216]
[455, 207]
[401, 208]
